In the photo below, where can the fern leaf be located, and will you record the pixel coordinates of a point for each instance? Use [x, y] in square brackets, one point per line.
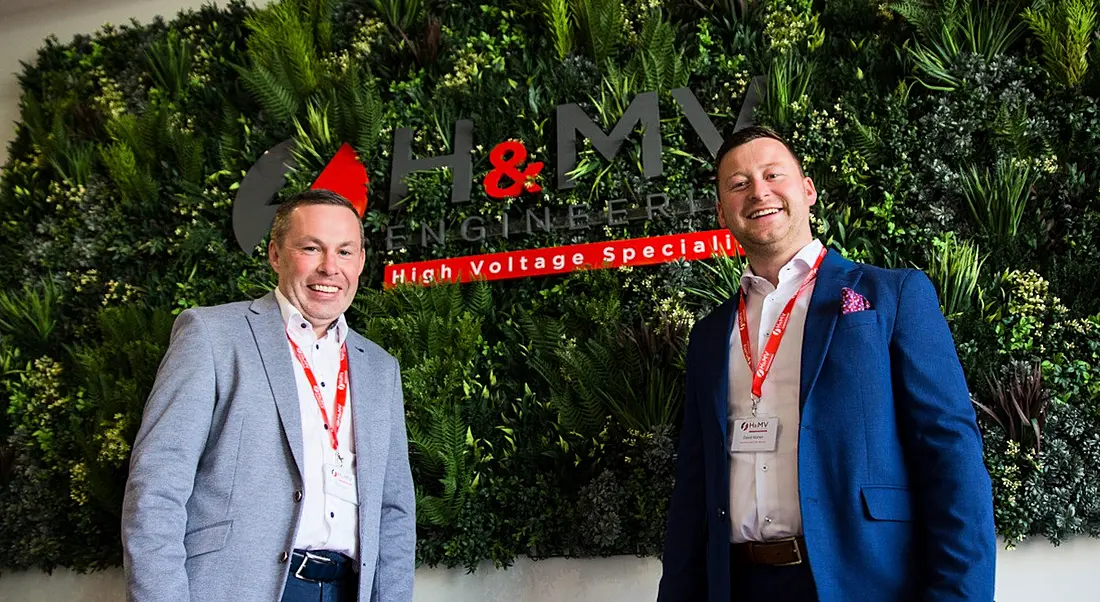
[300, 57]
[868, 143]
[559, 19]
[229, 142]
[433, 511]
[134, 183]
[919, 14]
[279, 102]
[189, 154]
[370, 118]
[481, 299]
[601, 23]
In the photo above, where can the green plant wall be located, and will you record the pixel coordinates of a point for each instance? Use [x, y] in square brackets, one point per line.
[958, 137]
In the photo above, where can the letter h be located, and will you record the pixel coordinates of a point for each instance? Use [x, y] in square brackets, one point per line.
[459, 161]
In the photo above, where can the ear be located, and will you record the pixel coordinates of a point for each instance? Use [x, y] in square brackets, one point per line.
[721, 215]
[273, 255]
[810, 189]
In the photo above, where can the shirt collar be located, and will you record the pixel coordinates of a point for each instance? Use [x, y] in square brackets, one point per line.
[797, 267]
[295, 323]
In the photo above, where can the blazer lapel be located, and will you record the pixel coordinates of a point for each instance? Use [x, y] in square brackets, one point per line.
[834, 274]
[368, 414]
[719, 362]
[270, 332]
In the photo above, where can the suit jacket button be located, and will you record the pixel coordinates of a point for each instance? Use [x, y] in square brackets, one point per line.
[284, 557]
[298, 495]
[721, 513]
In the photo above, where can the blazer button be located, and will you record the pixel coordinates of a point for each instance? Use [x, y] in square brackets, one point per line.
[284, 557]
[721, 513]
[298, 495]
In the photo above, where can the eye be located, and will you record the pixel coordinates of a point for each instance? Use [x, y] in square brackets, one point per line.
[773, 175]
[345, 252]
[309, 248]
[738, 185]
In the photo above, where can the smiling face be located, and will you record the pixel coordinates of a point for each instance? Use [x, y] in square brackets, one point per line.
[318, 261]
[764, 199]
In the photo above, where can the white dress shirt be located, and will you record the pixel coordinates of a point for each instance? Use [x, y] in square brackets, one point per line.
[328, 522]
[764, 485]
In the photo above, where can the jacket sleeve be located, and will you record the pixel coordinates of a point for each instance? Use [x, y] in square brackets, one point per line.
[163, 463]
[684, 578]
[393, 579]
[950, 483]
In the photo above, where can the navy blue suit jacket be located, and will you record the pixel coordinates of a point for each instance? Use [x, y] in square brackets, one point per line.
[896, 502]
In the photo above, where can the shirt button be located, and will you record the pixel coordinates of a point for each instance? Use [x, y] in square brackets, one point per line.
[316, 346]
[764, 468]
[332, 515]
[304, 325]
[284, 557]
[322, 384]
[298, 495]
[768, 519]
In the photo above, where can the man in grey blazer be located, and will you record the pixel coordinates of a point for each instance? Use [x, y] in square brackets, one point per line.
[272, 462]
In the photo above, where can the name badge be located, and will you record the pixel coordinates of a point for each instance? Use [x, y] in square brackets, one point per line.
[340, 480]
[754, 434]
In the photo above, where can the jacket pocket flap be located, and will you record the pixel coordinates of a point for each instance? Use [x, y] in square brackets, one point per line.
[887, 503]
[207, 539]
[858, 318]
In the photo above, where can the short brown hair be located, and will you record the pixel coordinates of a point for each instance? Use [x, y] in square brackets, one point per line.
[748, 134]
[281, 222]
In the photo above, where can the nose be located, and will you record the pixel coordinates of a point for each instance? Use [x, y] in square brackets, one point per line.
[758, 188]
[328, 264]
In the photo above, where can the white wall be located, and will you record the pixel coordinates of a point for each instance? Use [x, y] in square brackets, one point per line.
[25, 24]
[1034, 571]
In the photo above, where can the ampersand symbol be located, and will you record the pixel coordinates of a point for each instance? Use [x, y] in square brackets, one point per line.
[506, 167]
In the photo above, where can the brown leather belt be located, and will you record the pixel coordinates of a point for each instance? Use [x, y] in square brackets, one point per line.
[777, 552]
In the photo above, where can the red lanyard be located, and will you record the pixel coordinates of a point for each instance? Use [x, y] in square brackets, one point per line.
[770, 348]
[341, 390]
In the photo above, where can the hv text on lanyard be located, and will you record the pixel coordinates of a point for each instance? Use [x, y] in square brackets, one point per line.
[758, 433]
[339, 476]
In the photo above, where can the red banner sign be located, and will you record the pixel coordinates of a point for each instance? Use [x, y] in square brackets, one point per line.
[560, 260]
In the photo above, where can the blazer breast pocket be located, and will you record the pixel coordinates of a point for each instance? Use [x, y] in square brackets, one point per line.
[887, 503]
[207, 539]
[859, 318]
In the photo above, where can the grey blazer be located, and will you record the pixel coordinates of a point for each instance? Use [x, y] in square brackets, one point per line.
[212, 501]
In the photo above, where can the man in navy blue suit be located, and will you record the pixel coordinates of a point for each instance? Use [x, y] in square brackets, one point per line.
[829, 449]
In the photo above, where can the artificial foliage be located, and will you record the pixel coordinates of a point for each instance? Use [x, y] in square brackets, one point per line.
[957, 137]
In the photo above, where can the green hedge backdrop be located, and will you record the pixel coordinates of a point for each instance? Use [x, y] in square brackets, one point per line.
[960, 138]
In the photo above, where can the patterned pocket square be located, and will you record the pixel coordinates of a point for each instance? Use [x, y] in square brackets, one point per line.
[851, 302]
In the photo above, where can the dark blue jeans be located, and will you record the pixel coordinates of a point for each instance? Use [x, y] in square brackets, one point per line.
[298, 590]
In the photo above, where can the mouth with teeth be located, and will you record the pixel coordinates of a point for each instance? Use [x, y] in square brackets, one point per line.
[323, 288]
[761, 213]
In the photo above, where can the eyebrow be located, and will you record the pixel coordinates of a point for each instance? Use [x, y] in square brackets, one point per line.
[316, 241]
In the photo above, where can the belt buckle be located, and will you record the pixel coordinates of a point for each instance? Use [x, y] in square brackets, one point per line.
[794, 545]
[306, 558]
